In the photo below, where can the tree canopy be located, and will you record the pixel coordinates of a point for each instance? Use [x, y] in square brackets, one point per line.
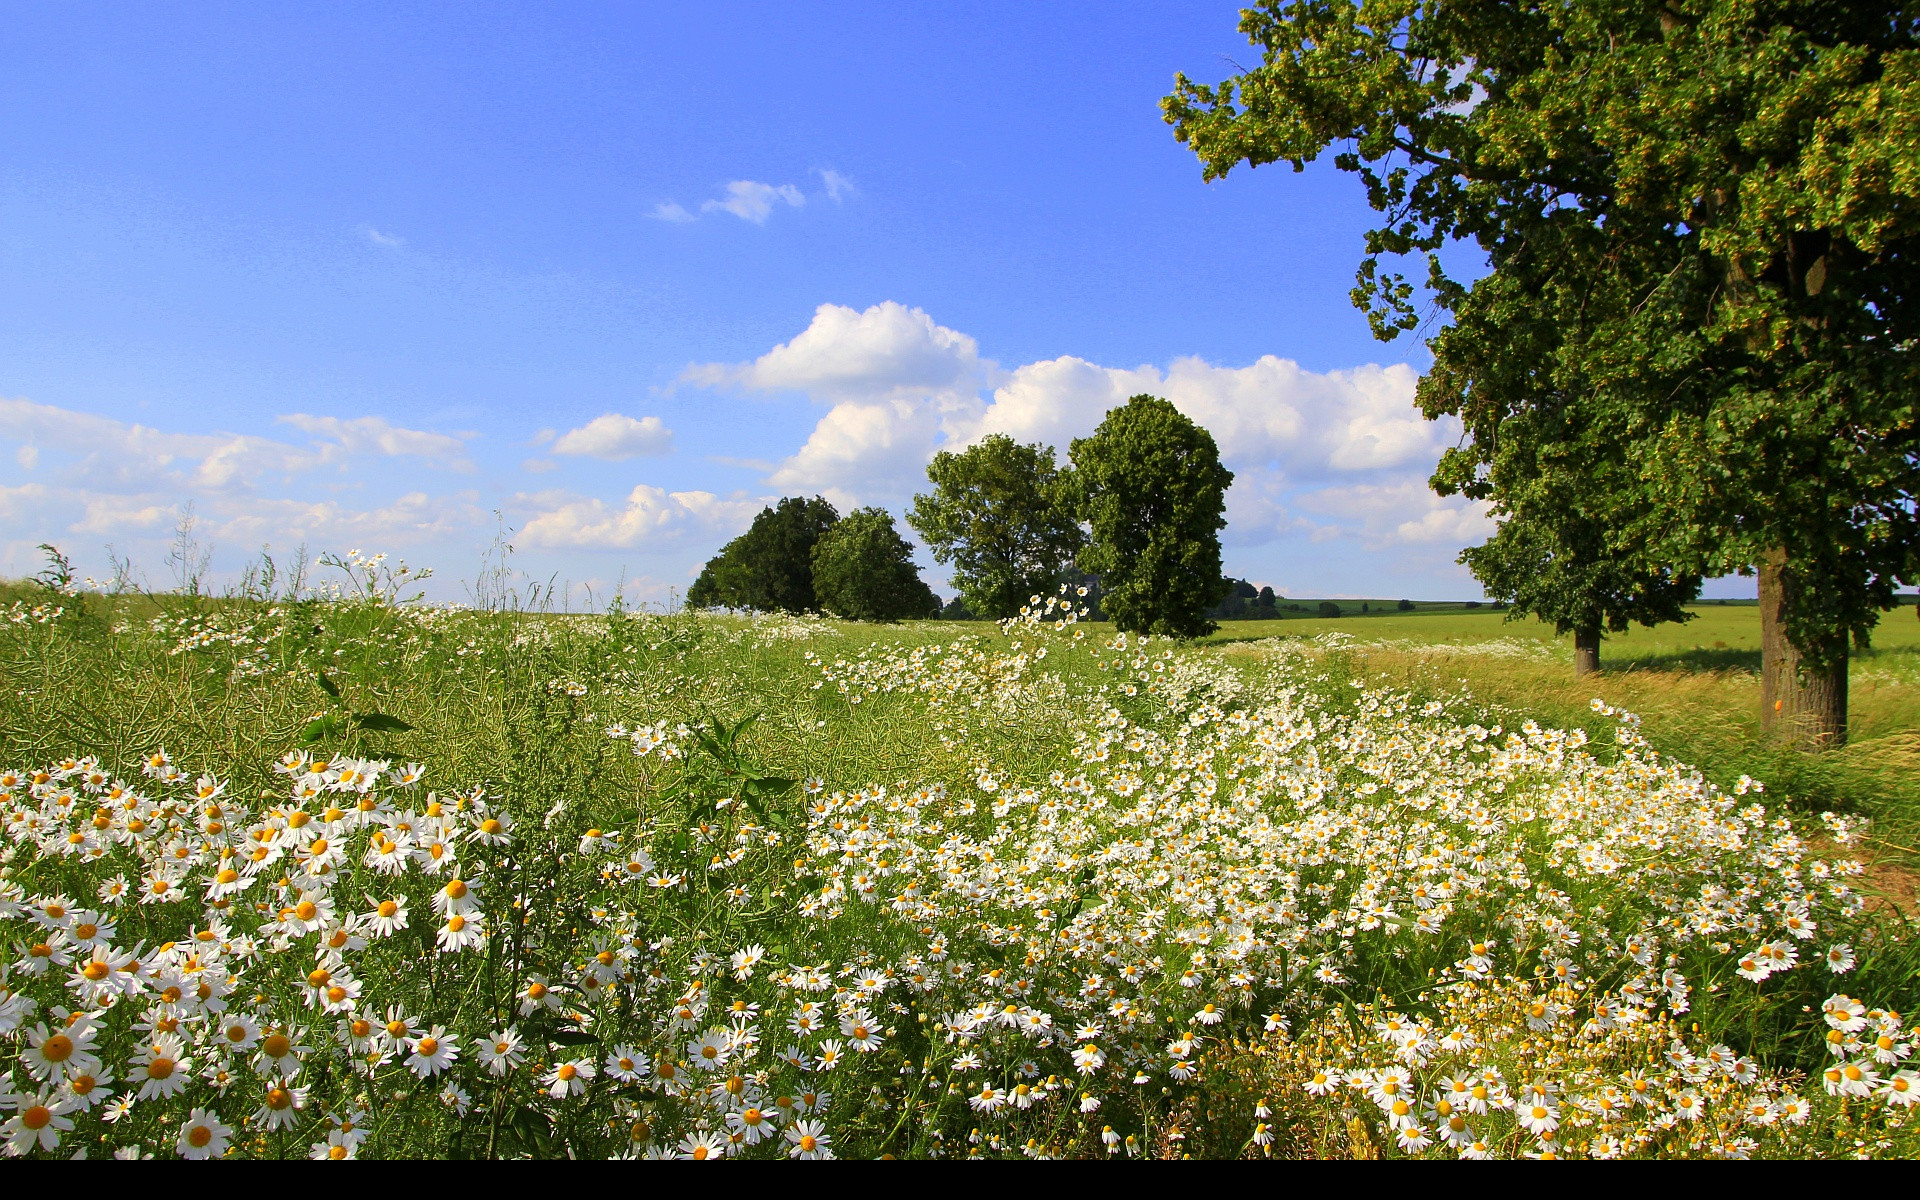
[1699, 219]
[1150, 486]
[769, 567]
[999, 513]
[863, 570]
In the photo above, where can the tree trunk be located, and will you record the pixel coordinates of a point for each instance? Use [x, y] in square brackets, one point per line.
[1801, 704]
[1586, 651]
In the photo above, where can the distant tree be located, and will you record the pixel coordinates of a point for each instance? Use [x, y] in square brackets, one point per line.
[1000, 514]
[1329, 609]
[768, 568]
[1561, 571]
[863, 570]
[1150, 486]
[1238, 603]
[1406, 606]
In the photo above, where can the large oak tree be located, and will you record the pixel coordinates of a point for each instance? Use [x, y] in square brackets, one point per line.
[1700, 220]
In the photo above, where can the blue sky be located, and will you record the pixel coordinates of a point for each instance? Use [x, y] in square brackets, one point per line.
[364, 275]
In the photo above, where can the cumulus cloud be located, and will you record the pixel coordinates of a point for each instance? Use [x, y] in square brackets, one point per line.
[650, 516]
[1317, 455]
[751, 201]
[616, 437]
[1403, 512]
[888, 351]
[1275, 411]
[896, 381]
[671, 212]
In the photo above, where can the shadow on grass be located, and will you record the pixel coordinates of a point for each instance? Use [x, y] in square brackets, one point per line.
[1699, 661]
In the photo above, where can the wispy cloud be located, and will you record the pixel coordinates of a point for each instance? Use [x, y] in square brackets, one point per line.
[751, 201]
[669, 211]
[838, 185]
[376, 435]
[390, 241]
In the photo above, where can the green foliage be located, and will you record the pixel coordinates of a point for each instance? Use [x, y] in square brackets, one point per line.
[1244, 602]
[769, 568]
[1328, 609]
[1701, 220]
[1000, 513]
[863, 570]
[1150, 485]
[1572, 581]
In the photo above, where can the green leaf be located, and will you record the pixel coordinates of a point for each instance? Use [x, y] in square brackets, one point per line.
[572, 1037]
[329, 726]
[529, 1132]
[328, 686]
[380, 723]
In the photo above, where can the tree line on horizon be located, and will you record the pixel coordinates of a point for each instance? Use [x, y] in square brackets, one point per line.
[1132, 523]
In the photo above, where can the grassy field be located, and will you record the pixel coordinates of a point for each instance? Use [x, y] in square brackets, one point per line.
[1696, 686]
[412, 881]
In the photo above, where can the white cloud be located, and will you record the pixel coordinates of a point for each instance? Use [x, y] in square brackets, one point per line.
[671, 212]
[28, 457]
[864, 448]
[615, 437]
[115, 453]
[383, 239]
[1319, 456]
[838, 185]
[1404, 512]
[650, 516]
[889, 351]
[897, 382]
[376, 435]
[751, 201]
[1274, 411]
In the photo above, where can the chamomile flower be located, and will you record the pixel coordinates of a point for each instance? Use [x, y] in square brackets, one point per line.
[39, 1118]
[280, 1107]
[202, 1135]
[808, 1140]
[569, 1078]
[432, 1053]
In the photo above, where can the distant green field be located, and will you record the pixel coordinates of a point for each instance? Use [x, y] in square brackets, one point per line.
[1720, 637]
